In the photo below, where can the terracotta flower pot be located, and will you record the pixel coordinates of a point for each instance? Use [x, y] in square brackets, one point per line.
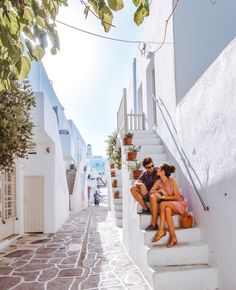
[112, 165]
[116, 194]
[127, 141]
[137, 173]
[114, 184]
[113, 174]
[131, 156]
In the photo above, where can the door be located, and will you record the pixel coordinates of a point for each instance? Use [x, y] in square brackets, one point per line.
[34, 204]
[7, 204]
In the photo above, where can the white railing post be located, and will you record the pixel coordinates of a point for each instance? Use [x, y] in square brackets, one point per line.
[125, 110]
[143, 121]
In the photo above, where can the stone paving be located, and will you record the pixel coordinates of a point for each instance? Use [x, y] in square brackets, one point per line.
[85, 254]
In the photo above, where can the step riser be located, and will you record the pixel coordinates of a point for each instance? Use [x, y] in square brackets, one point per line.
[118, 222]
[145, 220]
[149, 141]
[118, 207]
[199, 279]
[117, 201]
[118, 214]
[183, 236]
[177, 255]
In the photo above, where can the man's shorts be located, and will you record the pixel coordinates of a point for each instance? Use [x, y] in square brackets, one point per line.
[146, 197]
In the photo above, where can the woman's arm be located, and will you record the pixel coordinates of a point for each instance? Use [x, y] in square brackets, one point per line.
[175, 195]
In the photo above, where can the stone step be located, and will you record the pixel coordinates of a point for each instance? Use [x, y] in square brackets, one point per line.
[183, 235]
[118, 214]
[149, 149]
[146, 141]
[117, 201]
[188, 253]
[118, 207]
[194, 277]
[145, 220]
[154, 156]
[119, 188]
[143, 132]
[119, 222]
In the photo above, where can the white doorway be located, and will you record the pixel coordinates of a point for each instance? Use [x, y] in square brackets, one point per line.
[33, 204]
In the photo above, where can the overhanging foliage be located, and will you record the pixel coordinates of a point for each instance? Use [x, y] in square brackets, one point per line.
[15, 123]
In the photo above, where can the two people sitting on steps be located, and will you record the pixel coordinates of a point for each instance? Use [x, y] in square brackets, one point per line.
[156, 185]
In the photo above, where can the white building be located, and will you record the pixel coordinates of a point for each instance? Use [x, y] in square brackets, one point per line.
[193, 78]
[38, 197]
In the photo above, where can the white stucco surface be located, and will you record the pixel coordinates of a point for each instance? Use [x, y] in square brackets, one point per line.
[50, 165]
[206, 119]
[201, 31]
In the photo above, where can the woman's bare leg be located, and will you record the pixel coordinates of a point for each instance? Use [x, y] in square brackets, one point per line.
[161, 232]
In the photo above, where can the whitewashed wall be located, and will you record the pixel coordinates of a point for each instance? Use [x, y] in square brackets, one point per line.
[201, 31]
[206, 120]
[49, 164]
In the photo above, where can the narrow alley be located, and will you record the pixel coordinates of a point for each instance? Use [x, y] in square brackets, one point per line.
[85, 254]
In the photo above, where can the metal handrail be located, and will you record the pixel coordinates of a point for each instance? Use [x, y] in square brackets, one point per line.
[179, 147]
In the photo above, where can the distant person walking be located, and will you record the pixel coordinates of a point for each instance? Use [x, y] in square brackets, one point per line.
[96, 198]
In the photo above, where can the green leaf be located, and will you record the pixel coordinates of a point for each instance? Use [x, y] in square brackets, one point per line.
[28, 14]
[116, 4]
[106, 17]
[23, 67]
[40, 21]
[137, 2]
[141, 12]
[38, 52]
[94, 4]
[53, 50]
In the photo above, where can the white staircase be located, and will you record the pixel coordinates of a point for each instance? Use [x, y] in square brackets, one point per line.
[182, 267]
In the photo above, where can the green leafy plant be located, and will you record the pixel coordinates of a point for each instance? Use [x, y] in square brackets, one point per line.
[128, 135]
[136, 166]
[134, 148]
[26, 25]
[15, 123]
[111, 146]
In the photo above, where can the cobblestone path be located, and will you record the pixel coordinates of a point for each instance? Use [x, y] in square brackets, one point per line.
[85, 254]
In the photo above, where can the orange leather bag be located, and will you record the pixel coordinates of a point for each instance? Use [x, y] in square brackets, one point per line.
[187, 220]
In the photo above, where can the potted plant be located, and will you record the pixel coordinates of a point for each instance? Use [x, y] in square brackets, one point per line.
[112, 165]
[114, 183]
[136, 169]
[113, 173]
[132, 152]
[116, 194]
[127, 139]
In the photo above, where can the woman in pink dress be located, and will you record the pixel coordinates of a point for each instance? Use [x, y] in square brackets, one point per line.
[172, 202]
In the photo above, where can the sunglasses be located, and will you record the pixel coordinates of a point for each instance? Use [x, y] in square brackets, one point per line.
[149, 167]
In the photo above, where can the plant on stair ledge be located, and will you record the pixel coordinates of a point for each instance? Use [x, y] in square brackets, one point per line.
[132, 152]
[127, 138]
[114, 183]
[112, 165]
[113, 173]
[116, 194]
[136, 169]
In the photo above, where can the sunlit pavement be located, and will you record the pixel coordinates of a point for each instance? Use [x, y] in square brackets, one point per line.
[85, 254]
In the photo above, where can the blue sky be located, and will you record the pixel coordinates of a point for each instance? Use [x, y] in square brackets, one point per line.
[89, 73]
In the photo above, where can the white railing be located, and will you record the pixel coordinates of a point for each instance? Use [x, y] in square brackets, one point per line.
[135, 122]
[128, 122]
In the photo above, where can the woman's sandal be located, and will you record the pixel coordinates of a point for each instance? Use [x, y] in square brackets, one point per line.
[171, 243]
[157, 238]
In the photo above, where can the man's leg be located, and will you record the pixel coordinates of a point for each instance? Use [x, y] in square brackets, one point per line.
[136, 192]
[154, 209]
